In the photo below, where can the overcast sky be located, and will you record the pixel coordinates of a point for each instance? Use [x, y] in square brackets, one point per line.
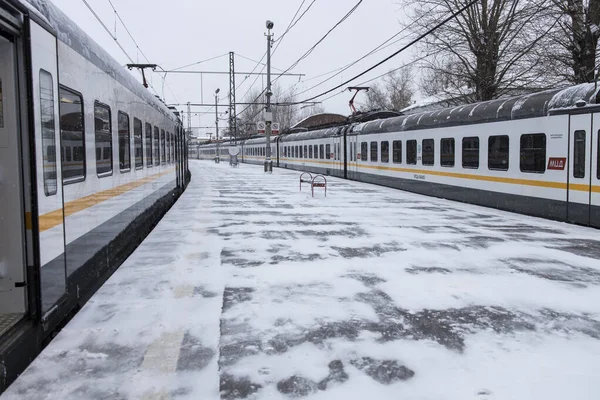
[175, 33]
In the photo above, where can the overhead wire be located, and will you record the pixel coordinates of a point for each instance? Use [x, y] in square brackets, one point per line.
[117, 40]
[254, 61]
[291, 24]
[107, 30]
[114, 38]
[377, 49]
[311, 49]
[164, 78]
[127, 30]
[410, 44]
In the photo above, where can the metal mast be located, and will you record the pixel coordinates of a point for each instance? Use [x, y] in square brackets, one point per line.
[232, 115]
[268, 114]
[218, 158]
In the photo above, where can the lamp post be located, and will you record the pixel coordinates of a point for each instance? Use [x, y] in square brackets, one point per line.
[218, 157]
[268, 115]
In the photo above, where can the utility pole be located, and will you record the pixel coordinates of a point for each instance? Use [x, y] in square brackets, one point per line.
[232, 115]
[189, 121]
[218, 158]
[268, 114]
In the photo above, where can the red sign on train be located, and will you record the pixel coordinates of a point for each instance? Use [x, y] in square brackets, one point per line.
[557, 163]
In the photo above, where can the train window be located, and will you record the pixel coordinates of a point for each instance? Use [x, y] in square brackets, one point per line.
[137, 143]
[48, 132]
[498, 147]
[300, 152]
[316, 152]
[168, 147]
[448, 152]
[470, 152]
[103, 133]
[156, 145]
[411, 152]
[598, 156]
[172, 147]
[397, 151]
[579, 154]
[428, 155]
[533, 153]
[385, 152]
[364, 155]
[163, 155]
[305, 151]
[310, 152]
[374, 157]
[79, 154]
[328, 151]
[321, 151]
[72, 133]
[148, 145]
[66, 155]
[124, 142]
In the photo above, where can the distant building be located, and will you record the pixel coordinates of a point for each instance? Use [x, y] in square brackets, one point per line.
[317, 120]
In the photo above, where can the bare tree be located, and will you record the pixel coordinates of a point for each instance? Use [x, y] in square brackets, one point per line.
[376, 98]
[399, 88]
[571, 47]
[286, 114]
[251, 113]
[483, 53]
[395, 92]
[283, 112]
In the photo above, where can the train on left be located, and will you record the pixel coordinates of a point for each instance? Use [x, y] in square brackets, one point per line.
[90, 161]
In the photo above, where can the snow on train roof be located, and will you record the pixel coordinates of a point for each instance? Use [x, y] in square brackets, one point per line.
[316, 134]
[526, 106]
[72, 35]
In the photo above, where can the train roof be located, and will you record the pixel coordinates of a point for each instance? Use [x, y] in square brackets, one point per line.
[73, 36]
[527, 106]
[317, 134]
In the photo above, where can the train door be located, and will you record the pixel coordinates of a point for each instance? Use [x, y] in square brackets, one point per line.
[580, 174]
[13, 303]
[338, 164]
[595, 189]
[50, 216]
[352, 154]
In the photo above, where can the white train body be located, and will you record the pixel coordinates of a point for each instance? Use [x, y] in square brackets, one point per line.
[89, 160]
[535, 154]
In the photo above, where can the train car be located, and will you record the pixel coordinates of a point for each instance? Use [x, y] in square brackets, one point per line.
[89, 162]
[253, 151]
[535, 154]
[319, 151]
[208, 151]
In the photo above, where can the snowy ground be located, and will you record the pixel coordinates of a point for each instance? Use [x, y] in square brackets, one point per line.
[250, 289]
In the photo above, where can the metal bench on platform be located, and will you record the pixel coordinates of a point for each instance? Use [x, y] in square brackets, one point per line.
[318, 181]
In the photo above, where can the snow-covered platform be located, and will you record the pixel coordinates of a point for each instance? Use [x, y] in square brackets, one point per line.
[251, 289]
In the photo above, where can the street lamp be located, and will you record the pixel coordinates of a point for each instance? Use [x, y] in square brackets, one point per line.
[268, 115]
[218, 157]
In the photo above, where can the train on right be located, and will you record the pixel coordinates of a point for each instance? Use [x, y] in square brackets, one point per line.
[536, 154]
